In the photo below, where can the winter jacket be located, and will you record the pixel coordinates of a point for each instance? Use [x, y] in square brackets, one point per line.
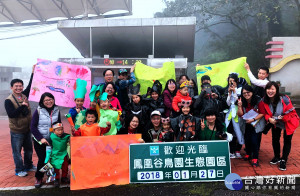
[286, 109]
[155, 104]
[203, 103]
[168, 98]
[177, 99]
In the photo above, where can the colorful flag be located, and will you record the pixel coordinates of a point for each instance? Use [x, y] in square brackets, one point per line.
[219, 72]
[146, 75]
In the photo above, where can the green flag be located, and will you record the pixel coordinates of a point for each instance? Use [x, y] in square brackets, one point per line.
[146, 75]
[219, 72]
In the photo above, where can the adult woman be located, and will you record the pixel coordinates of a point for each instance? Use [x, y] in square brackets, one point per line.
[249, 102]
[280, 112]
[111, 89]
[231, 119]
[193, 90]
[211, 127]
[154, 128]
[168, 95]
[131, 126]
[182, 78]
[42, 119]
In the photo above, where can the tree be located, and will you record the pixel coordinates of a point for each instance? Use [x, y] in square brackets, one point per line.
[234, 28]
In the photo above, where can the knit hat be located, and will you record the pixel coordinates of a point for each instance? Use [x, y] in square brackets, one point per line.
[80, 88]
[185, 84]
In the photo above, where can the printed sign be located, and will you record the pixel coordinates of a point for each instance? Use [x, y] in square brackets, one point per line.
[179, 161]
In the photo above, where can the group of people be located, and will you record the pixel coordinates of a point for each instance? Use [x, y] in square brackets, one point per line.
[238, 113]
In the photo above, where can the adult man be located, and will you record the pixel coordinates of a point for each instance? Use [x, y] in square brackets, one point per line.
[108, 75]
[261, 82]
[19, 114]
[123, 83]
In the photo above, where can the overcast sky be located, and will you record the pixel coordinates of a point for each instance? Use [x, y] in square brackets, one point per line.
[48, 42]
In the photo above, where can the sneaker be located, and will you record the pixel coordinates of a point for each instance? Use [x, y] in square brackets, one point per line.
[21, 174]
[238, 154]
[33, 168]
[254, 162]
[65, 180]
[56, 183]
[38, 183]
[246, 157]
[274, 161]
[282, 165]
[232, 155]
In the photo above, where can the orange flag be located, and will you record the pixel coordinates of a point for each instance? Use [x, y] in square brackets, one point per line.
[99, 161]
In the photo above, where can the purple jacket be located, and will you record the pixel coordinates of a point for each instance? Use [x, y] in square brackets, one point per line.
[168, 102]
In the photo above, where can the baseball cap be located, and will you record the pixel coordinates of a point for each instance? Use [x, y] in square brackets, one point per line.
[155, 112]
[122, 71]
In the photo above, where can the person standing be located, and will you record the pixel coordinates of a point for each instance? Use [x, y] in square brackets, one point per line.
[261, 82]
[19, 115]
[41, 125]
[280, 112]
[123, 82]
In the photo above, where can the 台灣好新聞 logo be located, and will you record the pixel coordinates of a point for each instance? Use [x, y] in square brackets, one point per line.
[233, 182]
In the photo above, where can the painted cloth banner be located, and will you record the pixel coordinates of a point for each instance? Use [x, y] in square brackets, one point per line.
[59, 79]
[99, 161]
[219, 72]
[146, 75]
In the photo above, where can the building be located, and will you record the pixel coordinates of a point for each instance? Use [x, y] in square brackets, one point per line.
[119, 43]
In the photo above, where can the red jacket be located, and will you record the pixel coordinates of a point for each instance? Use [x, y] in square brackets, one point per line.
[177, 99]
[291, 120]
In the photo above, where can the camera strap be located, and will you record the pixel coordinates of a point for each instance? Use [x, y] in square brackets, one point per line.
[15, 100]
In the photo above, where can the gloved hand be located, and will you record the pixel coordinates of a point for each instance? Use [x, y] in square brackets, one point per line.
[48, 153]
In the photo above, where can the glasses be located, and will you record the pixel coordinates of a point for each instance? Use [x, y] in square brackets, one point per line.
[171, 84]
[110, 75]
[165, 120]
[48, 100]
[185, 103]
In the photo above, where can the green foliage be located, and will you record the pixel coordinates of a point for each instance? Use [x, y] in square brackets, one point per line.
[236, 28]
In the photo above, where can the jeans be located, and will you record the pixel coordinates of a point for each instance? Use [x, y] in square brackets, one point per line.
[234, 144]
[287, 143]
[41, 153]
[19, 140]
[252, 141]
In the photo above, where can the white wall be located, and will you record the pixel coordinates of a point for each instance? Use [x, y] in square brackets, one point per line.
[289, 75]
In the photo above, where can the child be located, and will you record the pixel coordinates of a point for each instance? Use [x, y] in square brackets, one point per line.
[91, 128]
[59, 153]
[108, 115]
[185, 124]
[182, 94]
[155, 102]
[167, 134]
[136, 106]
[79, 94]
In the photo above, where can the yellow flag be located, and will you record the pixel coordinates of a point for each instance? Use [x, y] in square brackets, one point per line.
[146, 75]
[219, 72]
